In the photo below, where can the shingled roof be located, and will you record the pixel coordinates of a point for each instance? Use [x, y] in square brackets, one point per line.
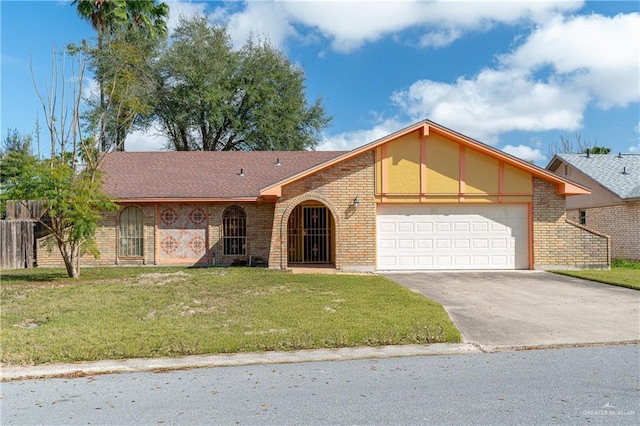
[172, 175]
[618, 173]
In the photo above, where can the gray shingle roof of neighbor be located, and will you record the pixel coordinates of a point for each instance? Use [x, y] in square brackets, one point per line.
[202, 175]
[619, 173]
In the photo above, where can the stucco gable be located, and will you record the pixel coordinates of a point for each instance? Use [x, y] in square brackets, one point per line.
[425, 128]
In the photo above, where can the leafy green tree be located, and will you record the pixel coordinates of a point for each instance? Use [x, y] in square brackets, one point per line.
[67, 186]
[15, 154]
[209, 97]
[125, 66]
[126, 31]
[599, 150]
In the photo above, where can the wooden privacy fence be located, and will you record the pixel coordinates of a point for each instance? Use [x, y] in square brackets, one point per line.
[17, 244]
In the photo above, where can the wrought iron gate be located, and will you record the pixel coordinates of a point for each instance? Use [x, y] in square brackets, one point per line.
[309, 235]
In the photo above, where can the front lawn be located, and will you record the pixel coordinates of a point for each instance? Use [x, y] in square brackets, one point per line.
[622, 273]
[115, 313]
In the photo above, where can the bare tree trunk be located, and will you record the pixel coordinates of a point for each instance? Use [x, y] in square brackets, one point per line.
[71, 256]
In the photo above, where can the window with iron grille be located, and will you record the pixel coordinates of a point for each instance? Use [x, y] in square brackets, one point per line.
[234, 231]
[131, 232]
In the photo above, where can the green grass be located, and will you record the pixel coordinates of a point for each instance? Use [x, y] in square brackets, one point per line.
[623, 273]
[115, 313]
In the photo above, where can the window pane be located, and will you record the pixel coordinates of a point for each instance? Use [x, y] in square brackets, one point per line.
[234, 231]
[131, 232]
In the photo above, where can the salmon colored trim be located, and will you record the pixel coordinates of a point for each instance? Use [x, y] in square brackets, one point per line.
[384, 184]
[530, 223]
[188, 200]
[466, 194]
[157, 238]
[463, 185]
[423, 162]
[565, 187]
[500, 180]
[424, 131]
[206, 234]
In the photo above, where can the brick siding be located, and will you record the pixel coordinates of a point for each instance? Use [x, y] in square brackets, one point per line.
[259, 221]
[106, 240]
[335, 187]
[559, 243]
[620, 222]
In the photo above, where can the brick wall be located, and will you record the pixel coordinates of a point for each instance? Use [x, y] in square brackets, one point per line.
[559, 243]
[259, 222]
[106, 240]
[335, 187]
[620, 222]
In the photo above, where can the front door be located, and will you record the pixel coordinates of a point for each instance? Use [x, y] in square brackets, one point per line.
[310, 234]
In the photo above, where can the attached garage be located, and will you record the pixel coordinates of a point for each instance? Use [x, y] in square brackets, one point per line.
[423, 237]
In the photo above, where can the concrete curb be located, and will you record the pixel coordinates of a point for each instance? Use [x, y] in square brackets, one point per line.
[8, 373]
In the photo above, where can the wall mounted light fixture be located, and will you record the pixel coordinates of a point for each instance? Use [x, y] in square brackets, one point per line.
[356, 202]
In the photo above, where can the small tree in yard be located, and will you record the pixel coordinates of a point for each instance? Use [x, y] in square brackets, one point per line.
[67, 185]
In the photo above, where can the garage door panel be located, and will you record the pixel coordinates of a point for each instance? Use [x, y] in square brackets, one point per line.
[443, 227]
[452, 237]
[405, 227]
[480, 227]
[425, 243]
[406, 244]
[424, 261]
[462, 244]
[386, 227]
[387, 243]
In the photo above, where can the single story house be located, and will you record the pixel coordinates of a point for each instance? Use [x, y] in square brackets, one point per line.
[613, 207]
[424, 197]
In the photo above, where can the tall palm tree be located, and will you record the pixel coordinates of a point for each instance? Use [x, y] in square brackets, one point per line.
[109, 17]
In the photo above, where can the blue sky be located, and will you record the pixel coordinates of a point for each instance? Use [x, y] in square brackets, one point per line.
[516, 75]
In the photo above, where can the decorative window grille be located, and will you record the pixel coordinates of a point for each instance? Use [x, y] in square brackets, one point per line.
[131, 232]
[234, 231]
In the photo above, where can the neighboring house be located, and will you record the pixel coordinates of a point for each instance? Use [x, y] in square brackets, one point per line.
[613, 207]
[422, 198]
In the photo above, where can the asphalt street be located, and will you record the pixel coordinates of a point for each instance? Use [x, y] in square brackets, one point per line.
[572, 385]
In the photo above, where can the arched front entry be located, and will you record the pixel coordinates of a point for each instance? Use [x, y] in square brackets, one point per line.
[311, 234]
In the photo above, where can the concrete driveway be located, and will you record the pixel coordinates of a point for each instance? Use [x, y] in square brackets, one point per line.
[530, 308]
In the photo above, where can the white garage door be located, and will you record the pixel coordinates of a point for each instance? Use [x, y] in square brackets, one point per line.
[452, 237]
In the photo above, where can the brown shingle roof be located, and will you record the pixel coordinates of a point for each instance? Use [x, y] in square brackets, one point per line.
[202, 175]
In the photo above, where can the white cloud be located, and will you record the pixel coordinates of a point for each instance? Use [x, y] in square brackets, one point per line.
[494, 102]
[90, 88]
[592, 52]
[525, 152]
[181, 8]
[145, 141]
[585, 68]
[259, 19]
[349, 24]
[350, 140]
[439, 38]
